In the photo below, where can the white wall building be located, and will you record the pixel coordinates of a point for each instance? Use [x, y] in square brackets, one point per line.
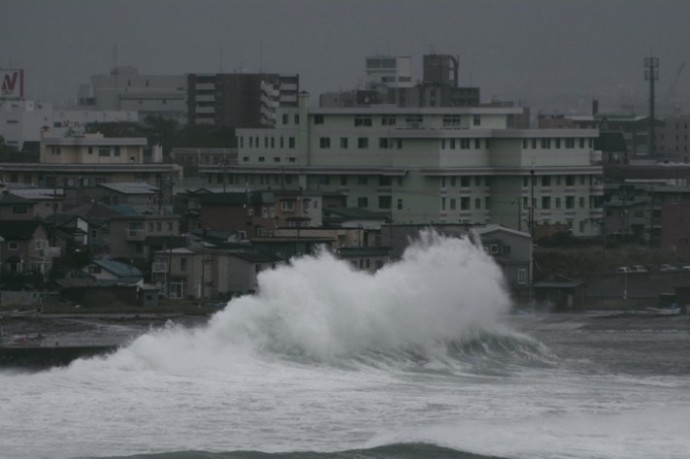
[22, 121]
[149, 95]
[430, 165]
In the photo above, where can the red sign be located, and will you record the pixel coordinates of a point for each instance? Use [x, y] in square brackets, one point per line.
[12, 82]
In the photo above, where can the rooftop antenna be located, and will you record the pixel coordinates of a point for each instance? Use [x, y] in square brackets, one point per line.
[261, 52]
[114, 58]
[651, 74]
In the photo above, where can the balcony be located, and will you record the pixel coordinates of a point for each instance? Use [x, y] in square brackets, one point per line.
[159, 267]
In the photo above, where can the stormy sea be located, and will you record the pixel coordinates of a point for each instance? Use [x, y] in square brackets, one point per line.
[422, 359]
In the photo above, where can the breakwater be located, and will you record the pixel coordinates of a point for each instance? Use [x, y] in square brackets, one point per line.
[39, 357]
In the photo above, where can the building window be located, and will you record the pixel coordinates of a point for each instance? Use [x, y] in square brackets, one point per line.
[362, 180]
[13, 246]
[465, 181]
[400, 204]
[287, 204]
[324, 142]
[343, 180]
[318, 119]
[451, 121]
[388, 121]
[477, 144]
[343, 142]
[285, 119]
[465, 203]
[296, 119]
[569, 180]
[464, 144]
[385, 181]
[183, 264]
[546, 143]
[477, 203]
[476, 120]
[362, 203]
[522, 276]
[452, 203]
[291, 142]
[546, 202]
[362, 120]
[546, 180]
[383, 142]
[362, 142]
[569, 202]
[103, 151]
[385, 202]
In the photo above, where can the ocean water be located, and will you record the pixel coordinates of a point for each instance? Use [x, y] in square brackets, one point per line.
[420, 360]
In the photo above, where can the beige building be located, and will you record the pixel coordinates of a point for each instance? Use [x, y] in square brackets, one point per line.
[92, 149]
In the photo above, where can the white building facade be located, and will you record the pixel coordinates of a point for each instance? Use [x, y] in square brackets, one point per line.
[429, 165]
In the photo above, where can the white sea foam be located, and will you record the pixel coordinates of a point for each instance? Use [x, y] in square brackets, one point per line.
[267, 374]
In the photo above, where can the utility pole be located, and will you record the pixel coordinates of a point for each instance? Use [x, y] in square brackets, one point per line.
[651, 74]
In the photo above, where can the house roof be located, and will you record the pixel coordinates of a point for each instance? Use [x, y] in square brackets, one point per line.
[484, 230]
[8, 198]
[130, 188]
[254, 256]
[353, 213]
[19, 229]
[93, 211]
[119, 269]
[39, 194]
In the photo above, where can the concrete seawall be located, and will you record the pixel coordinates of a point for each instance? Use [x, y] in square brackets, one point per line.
[36, 357]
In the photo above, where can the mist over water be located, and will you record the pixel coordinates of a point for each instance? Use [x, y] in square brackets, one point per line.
[327, 358]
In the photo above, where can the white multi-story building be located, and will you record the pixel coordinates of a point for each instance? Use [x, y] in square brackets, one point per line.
[429, 165]
[125, 89]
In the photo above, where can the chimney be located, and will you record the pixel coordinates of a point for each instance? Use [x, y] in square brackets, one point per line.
[595, 107]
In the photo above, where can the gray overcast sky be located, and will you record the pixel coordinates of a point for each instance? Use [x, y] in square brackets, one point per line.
[550, 54]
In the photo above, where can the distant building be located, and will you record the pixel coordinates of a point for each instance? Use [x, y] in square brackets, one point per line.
[126, 90]
[239, 100]
[389, 81]
[430, 165]
[92, 149]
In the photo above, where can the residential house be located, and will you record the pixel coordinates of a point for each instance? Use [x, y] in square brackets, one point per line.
[140, 196]
[136, 237]
[46, 201]
[111, 272]
[25, 247]
[208, 273]
[14, 207]
[251, 214]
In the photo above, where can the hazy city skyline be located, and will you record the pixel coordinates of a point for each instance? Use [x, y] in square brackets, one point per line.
[550, 55]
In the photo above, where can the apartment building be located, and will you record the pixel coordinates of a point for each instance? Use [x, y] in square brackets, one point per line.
[429, 165]
[239, 99]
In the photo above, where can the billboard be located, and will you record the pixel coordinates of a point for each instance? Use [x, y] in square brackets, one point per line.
[12, 84]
